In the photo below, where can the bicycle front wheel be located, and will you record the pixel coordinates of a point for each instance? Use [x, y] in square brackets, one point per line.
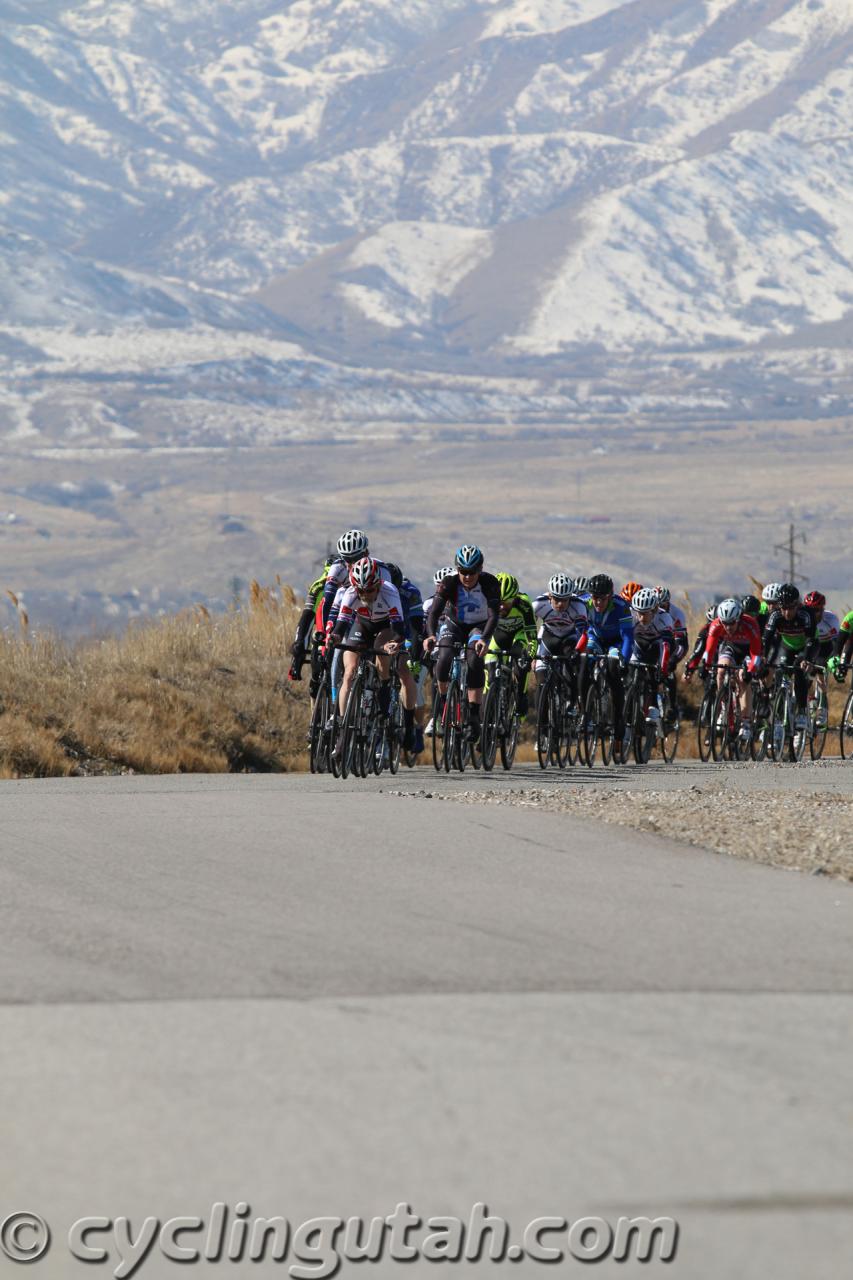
[590, 726]
[490, 728]
[509, 736]
[704, 721]
[845, 730]
[318, 757]
[818, 724]
[544, 720]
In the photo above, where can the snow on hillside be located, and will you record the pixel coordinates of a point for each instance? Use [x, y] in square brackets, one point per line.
[464, 185]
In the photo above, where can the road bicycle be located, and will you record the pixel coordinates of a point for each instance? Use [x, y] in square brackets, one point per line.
[643, 714]
[320, 737]
[785, 741]
[558, 713]
[762, 716]
[454, 747]
[726, 742]
[363, 731]
[500, 711]
[670, 721]
[817, 711]
[598, 727]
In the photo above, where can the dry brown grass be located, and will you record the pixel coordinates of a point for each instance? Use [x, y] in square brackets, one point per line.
[189, 693]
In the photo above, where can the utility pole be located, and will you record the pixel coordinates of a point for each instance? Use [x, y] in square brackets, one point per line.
[793, 554]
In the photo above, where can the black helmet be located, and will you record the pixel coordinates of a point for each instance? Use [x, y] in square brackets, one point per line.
[788, 594]
[600, 585]
[751, 605]
[395, 573]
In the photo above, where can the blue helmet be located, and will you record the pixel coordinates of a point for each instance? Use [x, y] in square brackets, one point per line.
[469, 559]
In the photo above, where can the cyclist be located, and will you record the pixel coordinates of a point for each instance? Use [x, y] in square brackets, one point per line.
[737, 637]
[609, 632]
[447, 571]
[792, 632]
[769, 603]
[299, 648]
[351, 546]
[515, 634]
[370, 617]
[699, 645]
[840, 660]
[751, 606]
[472, 599]
[653, 639]
[828, 631]
[680, 638]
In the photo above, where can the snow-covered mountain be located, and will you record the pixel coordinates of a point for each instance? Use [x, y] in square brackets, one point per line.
[498, 190]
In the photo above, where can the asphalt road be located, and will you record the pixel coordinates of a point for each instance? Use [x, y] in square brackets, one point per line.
[326, 1000]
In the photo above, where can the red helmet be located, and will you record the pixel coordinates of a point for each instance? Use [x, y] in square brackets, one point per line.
[815, 600]
[365, 574]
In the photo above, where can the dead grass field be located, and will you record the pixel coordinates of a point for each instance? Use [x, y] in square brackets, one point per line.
[186, 694]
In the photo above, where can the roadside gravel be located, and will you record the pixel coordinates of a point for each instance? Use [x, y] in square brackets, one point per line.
[802, 831]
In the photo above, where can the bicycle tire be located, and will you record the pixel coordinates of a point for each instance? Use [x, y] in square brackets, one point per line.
[318, 747]
[760, 744]
[704, 721]
[817, 735]
[509, 739]
[779, 728]
[544, 710]
[437, 738]
[452, 729]
[349, 729]
[590, 725]
[669, 741]
[490, 728]
[845, 729]
[629, 735]
[606, 727]
[720, 731]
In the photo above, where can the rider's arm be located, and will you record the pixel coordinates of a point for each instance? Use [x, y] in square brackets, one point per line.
[626, 628]
[436, 609]
[527, 634]
[712, 643]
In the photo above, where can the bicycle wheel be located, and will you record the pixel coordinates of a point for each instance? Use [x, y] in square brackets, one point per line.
[509, 738]
[544, 718]
[567, 718]
[437, 738]
[670, 729]
[845, 729]
[760, 743]
[818, 723]
[780, 729]
[628, 745]
[490, 727]
[721, 723]
[590, 726]
[704, 721]
[348, 731]
[452, 729]
[606, 728]
[334, 758]
[318, 749]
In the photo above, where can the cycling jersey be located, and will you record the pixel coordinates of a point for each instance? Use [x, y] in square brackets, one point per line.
[844, 640]
[613, 627]
[652, 637]
[798, 635]
[698, 650]
[680, 641]
[385, 608]
[828, 628]
[743, 641]
[561, 622]
[478, 606]
[516, 627]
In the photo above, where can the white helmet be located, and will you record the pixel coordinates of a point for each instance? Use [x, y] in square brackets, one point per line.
[352, 545]
[560, 586]
[448, 571]
[711, 612]
[770, 594]
[729, 612]
[664, 596]
[581, 584]
[644, 599]
[365, 574]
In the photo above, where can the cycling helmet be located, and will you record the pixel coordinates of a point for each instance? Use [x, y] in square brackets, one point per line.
[449, 571]
[711, 612]
[770, 594]
[729, 612]
[629, 590]
[561, 586]
[352, 545]
[365, 574]
[644, 599]
[469, 559]
[580, 584]
[815, 600]
[664, 595]
[751, 605]
[395, 573]
[789, 594]
[509, 587]
[600, 585]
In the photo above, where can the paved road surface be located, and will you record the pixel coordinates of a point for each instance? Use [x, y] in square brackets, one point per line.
[326, 1001]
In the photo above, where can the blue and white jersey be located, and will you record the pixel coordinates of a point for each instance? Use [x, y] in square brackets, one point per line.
[560, 622]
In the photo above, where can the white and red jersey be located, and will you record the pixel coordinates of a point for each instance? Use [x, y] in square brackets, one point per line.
[828, 627]
[384, 608]
[746, 635]
[658, 630]
[560, 622]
